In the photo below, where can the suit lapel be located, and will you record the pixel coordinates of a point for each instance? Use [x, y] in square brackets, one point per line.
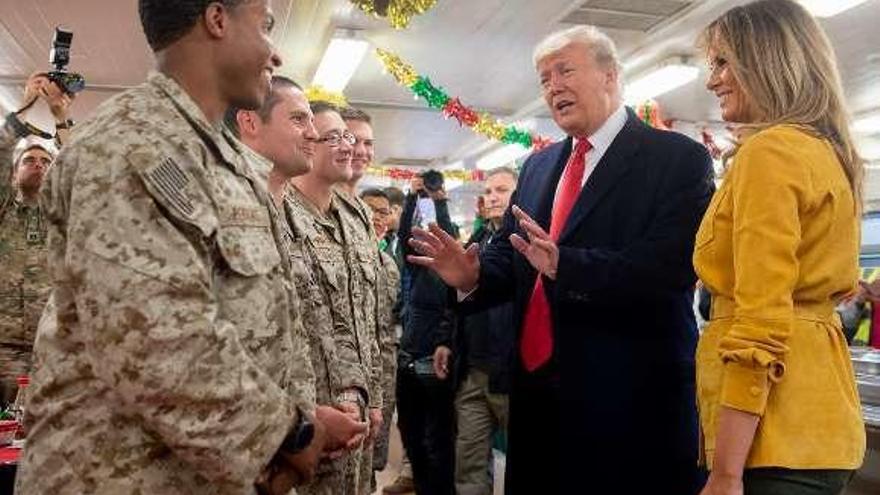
[615, 163]
[548, 173]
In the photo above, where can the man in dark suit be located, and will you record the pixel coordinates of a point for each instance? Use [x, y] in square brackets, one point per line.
[596, 256]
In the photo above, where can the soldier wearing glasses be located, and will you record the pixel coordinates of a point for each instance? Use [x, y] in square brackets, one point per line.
[317, 214]
[25, 289]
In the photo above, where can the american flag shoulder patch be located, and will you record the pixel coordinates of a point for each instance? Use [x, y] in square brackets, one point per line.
[170, 181]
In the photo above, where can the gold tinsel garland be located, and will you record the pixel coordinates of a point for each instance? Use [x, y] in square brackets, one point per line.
[399, 12]
[318, 93]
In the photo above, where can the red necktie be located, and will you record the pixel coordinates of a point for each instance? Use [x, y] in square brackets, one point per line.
[536, 345]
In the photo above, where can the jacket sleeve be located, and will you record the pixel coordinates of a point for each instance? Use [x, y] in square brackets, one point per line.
[770, 186]
[155, 333]
[659, 262]
[10, 135]
[496, 281]
[406, 220]
[302, 375]
[443, 218]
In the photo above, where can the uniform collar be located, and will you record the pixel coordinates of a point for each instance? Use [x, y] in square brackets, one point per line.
[226, 144]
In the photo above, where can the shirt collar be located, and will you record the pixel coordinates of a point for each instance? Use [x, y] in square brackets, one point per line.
[603, 137]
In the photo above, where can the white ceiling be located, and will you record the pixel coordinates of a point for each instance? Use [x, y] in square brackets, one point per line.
[479, 50]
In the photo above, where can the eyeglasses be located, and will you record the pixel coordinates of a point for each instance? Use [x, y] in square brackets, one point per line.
[334, 139]
[33, 160]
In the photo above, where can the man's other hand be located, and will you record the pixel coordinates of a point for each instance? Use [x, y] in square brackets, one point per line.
[441, 361]
[343, 432]
[440, 252]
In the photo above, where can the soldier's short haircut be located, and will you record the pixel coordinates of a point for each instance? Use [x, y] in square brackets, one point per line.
[166, 21]
[374, 192]
[320, 106]
[230, 118]
[502, 170]
[395, 195]
[351, 113]
[33, 146]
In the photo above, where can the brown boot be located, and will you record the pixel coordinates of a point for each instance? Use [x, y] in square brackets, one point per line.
[403, 484]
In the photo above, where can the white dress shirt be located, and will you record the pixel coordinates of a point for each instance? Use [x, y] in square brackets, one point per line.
[600, 140]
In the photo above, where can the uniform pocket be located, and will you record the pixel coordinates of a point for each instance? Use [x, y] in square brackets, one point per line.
[368, 267]
[248, 250]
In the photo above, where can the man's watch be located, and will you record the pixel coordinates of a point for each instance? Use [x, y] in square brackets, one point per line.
[300, 436]
[356, 397]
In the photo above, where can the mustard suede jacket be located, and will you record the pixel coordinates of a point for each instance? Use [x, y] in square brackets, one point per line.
[778, 248]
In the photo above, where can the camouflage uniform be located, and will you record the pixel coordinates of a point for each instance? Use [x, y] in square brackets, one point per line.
[388, 350]
[317, 259]
[366, 289]
[165, 362]
[25, 286]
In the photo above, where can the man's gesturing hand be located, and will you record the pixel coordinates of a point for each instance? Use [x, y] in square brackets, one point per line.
[540, 249]
[440, 252]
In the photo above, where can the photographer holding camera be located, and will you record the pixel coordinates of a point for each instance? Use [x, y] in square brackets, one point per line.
[23, 230]
[424, 398]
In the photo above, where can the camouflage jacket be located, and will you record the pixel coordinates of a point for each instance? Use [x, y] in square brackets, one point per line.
[317, 260]
[387, 326]
[24, 288]
[366, 282]
[165, 363]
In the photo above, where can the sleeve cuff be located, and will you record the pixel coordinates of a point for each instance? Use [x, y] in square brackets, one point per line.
[462, 296]
[747, 389]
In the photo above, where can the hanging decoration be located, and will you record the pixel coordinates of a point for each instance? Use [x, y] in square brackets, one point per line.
[649, 113]
[709, 142]
[398, 12]
[482, 123]
[318, 93]
[407, 174]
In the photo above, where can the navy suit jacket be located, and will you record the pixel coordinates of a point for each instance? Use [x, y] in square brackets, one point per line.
[621, 304]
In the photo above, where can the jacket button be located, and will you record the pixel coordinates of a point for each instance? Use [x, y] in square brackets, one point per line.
[755, 390]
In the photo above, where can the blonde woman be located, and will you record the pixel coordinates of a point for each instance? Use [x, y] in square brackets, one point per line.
[777, 248]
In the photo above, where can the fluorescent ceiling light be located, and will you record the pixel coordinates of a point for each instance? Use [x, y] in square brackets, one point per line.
[667, 76]
[341, 59]
[504, 155]
[828, 8]
[6, 103]
[867, 124]
[870, 151]
[450, 184]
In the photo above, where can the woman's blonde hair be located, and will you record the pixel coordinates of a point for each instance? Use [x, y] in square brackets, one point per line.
[785, 65]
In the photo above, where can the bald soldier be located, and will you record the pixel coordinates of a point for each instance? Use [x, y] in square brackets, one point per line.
[168, 360]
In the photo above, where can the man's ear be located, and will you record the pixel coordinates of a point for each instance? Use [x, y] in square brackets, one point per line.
[247, 122]
[216, 18]
[612, 77]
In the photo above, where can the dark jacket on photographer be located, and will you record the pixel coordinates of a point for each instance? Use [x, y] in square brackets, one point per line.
[427, 315]
[486, 340]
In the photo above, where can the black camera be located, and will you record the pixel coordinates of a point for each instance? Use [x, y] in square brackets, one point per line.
[59, 57]
[433, 180]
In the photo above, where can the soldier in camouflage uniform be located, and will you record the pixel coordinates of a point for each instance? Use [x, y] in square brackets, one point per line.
[380, 206]
[25, 287]
[317, 218]
[166, 360]
[368, 282]
[316, 251]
